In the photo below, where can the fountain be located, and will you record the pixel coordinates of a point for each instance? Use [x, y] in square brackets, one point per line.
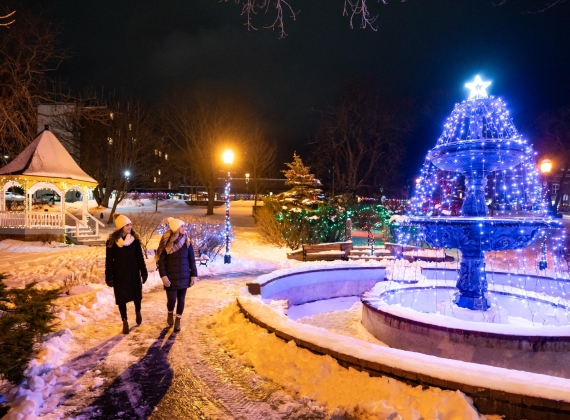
[457, 315]
[489, 144]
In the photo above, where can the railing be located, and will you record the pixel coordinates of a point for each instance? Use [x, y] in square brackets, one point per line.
[31, 219]
[97, 223]
[85, 224]
[77, 223]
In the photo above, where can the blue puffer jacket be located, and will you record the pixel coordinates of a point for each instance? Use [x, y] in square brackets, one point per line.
[178, 267]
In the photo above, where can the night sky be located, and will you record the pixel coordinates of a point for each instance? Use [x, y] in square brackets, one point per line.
[154, 48]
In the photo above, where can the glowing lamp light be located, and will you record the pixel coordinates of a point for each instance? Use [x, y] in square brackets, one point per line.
[478, 88]
[546, 166]
[127, 173]
[228, 157]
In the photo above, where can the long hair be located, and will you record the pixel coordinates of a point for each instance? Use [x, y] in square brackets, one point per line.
[113, 237]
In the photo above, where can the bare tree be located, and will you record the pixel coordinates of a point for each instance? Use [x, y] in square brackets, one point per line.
[554, 140]
[8, 18]
[202, 130]
[261, 158]
[358, 12]
[116, 143]
[28, 51]
[145, 225]
[360, 145]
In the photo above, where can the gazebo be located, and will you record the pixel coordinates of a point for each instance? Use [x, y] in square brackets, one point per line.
[44, 165]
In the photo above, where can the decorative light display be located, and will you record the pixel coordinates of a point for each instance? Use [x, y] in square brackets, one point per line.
[479, 191]
[228, 158]
[478, 88]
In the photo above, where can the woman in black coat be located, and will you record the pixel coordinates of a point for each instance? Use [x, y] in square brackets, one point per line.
[177, 268]
[125, 269]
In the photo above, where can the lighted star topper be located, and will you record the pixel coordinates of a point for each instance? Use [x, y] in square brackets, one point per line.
[478, 88]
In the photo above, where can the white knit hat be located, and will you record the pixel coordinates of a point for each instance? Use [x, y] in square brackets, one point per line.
[174, 224]
[121, 220]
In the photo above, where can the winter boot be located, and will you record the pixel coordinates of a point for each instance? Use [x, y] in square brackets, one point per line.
[170, 319]
[139, 318]
[177, 324]
[125, 326]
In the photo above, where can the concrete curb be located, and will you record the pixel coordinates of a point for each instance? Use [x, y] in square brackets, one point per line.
[513, 405]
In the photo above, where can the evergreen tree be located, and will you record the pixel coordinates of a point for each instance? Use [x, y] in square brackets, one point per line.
[25, 315]
[305, 192]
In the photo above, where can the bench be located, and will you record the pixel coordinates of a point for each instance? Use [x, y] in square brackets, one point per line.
[327, 252]
[201, 259]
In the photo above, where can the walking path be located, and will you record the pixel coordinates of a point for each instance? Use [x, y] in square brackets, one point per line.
[156, 373]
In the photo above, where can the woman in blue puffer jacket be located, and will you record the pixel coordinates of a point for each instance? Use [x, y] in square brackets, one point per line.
[177, 268]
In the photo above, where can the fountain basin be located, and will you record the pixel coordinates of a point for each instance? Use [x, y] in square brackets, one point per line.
[499, 234]
[478, 155]
[534, 337]
[474, 236]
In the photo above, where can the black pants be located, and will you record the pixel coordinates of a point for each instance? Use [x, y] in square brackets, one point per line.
[123, 309]
[176, 295]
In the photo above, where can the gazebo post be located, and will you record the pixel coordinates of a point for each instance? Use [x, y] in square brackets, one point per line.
[62, 209]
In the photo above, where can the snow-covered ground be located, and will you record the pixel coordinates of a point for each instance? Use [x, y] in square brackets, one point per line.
[76, 365]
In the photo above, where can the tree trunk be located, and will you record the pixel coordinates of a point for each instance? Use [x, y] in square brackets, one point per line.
[211, 192]
[115, 204]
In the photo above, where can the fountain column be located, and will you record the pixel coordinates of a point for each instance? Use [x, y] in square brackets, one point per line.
[474, 204]
[472, 283]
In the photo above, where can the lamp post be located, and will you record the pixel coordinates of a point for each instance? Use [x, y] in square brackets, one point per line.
[546, 169]
[228, 158]
[247, 184]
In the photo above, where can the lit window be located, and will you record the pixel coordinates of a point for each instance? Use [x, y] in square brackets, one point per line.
[169, 185]
[111, 115]
[159, 153]
[130, 127]
[154, 179]
[555, 188]
[159, 171]
[155, 152]
[166, 156]
[110, 140]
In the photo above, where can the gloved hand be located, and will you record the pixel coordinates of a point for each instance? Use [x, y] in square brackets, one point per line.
[193, 280]
[165, 281]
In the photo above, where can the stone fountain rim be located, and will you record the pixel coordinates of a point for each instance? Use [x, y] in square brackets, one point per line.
[463, 331]
[494, 221]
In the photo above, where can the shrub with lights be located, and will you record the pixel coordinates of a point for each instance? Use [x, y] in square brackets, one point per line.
[208, 237]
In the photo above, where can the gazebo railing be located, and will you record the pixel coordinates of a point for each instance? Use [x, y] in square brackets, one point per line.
[31, 219]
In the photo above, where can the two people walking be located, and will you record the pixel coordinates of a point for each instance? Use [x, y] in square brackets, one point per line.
[126, 272]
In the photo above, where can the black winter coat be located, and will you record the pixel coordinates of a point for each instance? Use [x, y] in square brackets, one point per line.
[124, 268]
[178, 267]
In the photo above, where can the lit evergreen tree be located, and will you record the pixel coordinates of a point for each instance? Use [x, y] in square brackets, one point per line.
[25, 315]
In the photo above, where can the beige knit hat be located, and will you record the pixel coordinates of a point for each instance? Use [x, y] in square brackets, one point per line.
[121, 220]
[174, 224]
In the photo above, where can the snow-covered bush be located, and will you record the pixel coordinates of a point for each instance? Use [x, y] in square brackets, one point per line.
[208, 237]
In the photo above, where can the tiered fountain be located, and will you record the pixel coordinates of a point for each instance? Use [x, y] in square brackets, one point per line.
[466, 320]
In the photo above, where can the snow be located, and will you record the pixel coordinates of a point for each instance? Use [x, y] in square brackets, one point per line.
[321, 378]
[66, 365]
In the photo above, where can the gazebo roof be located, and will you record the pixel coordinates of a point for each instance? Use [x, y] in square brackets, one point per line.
[46, 157]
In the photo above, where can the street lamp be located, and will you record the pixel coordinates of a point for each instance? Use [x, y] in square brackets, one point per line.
[546, 168]
[228, 158]
[247, 184]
